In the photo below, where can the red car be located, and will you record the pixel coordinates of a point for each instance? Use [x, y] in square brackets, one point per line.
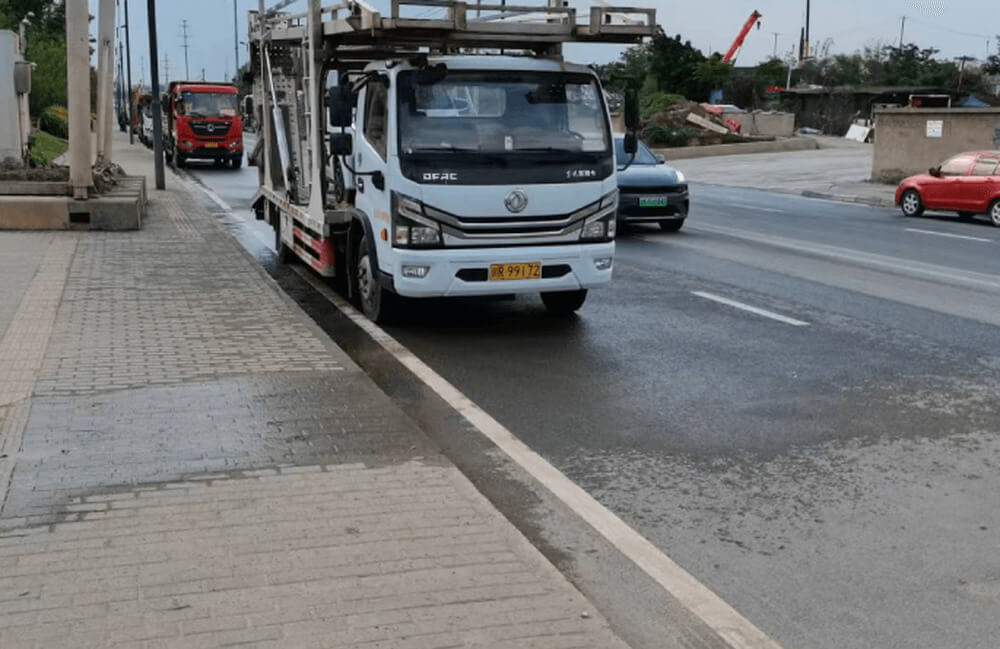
[968, 183]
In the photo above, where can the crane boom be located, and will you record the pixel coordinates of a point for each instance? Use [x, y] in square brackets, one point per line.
[738, 41]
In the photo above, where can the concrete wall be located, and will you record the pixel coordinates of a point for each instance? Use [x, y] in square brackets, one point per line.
[10, 123]
[769, 123]
[903, 146]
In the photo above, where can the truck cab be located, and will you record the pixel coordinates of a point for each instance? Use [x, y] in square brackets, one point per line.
[483, 175]
[202, 122]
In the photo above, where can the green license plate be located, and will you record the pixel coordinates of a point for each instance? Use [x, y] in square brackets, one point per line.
[652, 201]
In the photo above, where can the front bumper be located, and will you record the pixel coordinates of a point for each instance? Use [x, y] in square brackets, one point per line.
[211, 153]
[629, 210]
[465, 271]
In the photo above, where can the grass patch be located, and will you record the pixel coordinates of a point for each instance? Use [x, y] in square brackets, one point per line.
[45, 148]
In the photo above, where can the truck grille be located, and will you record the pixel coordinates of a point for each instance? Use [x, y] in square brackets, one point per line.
[486, 227]
[210, 129]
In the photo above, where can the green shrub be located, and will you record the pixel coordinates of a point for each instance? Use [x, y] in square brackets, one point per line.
[55, 120]
[48, 80]
[657, 102]
[657, 135]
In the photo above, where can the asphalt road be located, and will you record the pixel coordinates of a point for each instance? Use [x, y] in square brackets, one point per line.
[794, 399]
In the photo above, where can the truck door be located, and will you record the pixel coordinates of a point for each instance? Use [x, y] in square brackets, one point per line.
[371, 155]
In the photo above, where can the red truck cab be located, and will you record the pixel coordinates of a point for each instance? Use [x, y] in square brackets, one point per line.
[203, 123]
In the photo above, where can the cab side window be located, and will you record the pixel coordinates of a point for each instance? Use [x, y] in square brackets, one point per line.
[377, 116]
[985, 167]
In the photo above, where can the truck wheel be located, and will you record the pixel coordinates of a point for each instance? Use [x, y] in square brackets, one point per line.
[378, 304]
[910, 203]
[178, 159]
[236, 163]
[564, 302]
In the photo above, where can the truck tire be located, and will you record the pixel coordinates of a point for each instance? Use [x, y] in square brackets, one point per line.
[284, 253]
[378, 304]
[236, 163]
[178, 159]
[564, 302]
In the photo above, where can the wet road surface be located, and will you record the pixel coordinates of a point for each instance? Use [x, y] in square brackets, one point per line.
[834, 480]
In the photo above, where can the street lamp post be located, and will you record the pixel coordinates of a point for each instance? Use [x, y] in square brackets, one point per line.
[155, 73]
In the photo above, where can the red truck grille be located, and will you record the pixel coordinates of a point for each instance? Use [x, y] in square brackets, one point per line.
[210, 129]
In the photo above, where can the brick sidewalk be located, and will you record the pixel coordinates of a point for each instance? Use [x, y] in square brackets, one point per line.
[187, 461]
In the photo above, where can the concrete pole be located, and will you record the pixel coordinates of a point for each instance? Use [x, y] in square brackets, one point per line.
[78, 95]
[105, 72]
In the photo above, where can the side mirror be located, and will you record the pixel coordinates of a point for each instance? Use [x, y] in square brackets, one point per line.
[935, 171]
[631, 110]
[660, 160]
[340, 102]
[341, 144]
[631, 144]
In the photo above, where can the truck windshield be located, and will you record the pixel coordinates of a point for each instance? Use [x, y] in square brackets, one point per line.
[208, 104]
[501, 112]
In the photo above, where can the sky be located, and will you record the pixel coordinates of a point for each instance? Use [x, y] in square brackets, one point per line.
[955, 27]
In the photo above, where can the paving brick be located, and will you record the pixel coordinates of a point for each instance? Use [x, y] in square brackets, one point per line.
[198, 466]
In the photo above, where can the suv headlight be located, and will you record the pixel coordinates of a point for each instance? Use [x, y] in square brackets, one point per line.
[410, 228]
[602, 224]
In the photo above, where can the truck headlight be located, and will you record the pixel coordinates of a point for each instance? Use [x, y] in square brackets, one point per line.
[410, 228]
[602, 224]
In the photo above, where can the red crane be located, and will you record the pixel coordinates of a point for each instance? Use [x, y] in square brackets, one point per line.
[738, 41]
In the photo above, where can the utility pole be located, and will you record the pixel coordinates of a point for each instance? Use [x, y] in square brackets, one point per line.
[775, 54]
[236, 43]
[184, 36]
[166, 67]
[128, 66]
[902, 28]
[157, 123]
[78, 97]
[808, 53]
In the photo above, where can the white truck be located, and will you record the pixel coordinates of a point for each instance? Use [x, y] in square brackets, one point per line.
[426, 156]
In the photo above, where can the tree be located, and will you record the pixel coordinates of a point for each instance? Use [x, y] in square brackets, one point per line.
[711, 74]
[992, 65]
[48, 82]
[46, 35]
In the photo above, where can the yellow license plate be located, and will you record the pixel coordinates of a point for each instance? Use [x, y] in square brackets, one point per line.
[210, 145]
[531, 270]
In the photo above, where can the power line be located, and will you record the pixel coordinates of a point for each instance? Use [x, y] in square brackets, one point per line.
[184, 37]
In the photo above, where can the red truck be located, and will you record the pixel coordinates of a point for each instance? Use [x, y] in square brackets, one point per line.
[202, 122]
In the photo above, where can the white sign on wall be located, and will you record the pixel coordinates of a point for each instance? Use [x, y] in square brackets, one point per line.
[935, 127]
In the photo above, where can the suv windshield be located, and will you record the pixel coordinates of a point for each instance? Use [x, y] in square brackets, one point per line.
[500, 112]
[208, 104]
[642, 157]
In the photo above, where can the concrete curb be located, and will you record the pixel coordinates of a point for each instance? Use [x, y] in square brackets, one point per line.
[874, 201]
[712, 150]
